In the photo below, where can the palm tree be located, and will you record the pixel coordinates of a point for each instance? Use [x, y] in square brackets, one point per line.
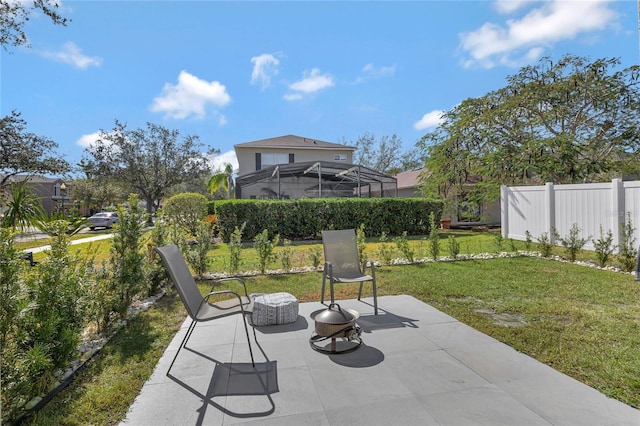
[222, 180]
[23, 207]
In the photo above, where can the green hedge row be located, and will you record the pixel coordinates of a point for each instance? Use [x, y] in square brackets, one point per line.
[305, 218]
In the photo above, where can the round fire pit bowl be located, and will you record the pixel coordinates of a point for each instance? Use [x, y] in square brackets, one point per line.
[335, 323]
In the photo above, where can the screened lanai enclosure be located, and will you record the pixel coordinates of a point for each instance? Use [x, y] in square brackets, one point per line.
[318, 179]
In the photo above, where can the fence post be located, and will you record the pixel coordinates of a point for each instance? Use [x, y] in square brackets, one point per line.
[617, 209]
[504, 211]
[550, 211]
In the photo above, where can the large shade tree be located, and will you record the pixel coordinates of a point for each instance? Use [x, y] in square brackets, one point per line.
[149, 161]
[22, 152]
[384, 154]
[94, 195]
[568, 121]
[15, 13]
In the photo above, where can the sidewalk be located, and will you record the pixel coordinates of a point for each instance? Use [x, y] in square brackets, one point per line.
[37, 235]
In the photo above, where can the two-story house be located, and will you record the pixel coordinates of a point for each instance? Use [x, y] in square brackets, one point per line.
[257, 155]
[54, 193]
[292, 167]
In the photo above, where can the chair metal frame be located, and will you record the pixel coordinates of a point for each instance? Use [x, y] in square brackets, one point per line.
[199, 308]
[345, 266]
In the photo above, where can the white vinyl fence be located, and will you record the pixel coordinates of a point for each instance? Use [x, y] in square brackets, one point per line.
[539, 209]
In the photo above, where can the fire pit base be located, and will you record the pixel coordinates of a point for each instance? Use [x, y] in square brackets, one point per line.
[350, 333]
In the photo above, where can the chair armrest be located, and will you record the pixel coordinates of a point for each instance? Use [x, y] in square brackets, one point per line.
[213, 293]
[222, 280]
[371, 265]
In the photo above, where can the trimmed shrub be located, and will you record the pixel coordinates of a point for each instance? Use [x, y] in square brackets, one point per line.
[306, 218]
[186, 210]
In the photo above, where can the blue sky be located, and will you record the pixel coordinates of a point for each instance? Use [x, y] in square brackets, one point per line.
[234, 72]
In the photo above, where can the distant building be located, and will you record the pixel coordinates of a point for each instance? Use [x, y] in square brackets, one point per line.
[292, 167]
[408, 182]
[53, 192]
[467, 213]
[257, 155]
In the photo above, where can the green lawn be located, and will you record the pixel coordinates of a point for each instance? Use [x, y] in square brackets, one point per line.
[582, 321]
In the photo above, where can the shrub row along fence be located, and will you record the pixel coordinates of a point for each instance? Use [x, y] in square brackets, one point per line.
[593, 209]
[305, 219]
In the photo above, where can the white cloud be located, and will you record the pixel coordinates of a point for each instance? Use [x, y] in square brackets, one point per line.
[369, 72]
[265, 66]
[86, 141]
[72, 55]
[292, 97]
[521, 39]
[429, 120]
[219, 161]
[372, 71]
[510, 6]
[190, 97]
[312, 82]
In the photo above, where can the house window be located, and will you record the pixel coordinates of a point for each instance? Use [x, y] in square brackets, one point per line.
[266, 159]
[339, 157]
[273, 158]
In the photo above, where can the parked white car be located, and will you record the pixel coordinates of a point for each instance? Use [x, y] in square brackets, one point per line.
[103, 220]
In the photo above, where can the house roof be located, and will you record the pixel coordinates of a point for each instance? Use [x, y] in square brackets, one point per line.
[31, 178]
[411, 178]
[293, 141]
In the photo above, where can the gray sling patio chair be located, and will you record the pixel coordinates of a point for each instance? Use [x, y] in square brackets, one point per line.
[199, 307]
[342, 263]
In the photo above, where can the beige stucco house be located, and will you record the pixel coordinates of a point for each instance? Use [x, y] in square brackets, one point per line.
[408, 182]
[54, 193]
[257, 155]
[468, 214]
[292, 167]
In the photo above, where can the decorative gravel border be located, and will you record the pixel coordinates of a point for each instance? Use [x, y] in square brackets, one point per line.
[92, 344]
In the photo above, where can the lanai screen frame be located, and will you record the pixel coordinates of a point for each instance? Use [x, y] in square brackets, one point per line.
[319, 179]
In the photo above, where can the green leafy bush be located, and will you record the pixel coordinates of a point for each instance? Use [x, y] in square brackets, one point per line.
[385, 250]
[154, 269]
[235, 249]
[315, 255]
[42, 314]
[285, 254]
[264, 247]
[306, 218]
[604, 247]
[127, 258]
[14, 380]
[434, 237]
[404, 247]
[454, 246]
[628, 252]
[573, 243]
[544, 244]
[196, 253]
[527, 240]
[186, 210]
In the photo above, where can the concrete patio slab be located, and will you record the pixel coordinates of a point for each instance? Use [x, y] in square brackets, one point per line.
[416, 366]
